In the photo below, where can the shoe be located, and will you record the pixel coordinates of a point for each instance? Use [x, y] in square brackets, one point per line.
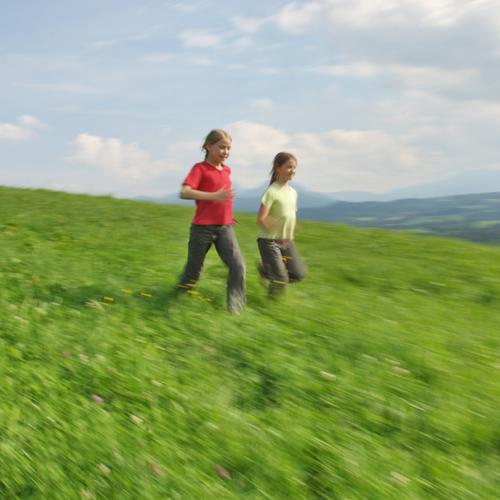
[236, 309]
[185, 288]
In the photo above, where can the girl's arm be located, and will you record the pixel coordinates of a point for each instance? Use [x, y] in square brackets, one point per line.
[264, 219]
[188, 193]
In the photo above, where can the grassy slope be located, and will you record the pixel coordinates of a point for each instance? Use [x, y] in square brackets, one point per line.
[409, 326]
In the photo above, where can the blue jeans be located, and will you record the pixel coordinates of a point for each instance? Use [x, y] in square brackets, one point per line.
[281, 263]
[201, 238]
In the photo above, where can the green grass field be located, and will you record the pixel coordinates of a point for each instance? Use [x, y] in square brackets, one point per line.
[377, 377]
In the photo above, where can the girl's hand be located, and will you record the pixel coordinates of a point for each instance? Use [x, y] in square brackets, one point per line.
[265, 220]
[269, 223]
[222, 195]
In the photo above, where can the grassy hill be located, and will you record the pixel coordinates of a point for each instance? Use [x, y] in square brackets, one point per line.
[474, 217]
[377, 377]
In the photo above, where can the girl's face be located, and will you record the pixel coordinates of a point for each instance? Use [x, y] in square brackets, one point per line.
[218, 152]
[286, 171]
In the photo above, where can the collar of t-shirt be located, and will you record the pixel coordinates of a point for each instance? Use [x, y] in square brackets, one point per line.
[221, 167]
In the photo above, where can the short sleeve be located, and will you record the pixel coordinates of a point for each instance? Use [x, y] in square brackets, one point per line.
[267, 198]
[193, 178]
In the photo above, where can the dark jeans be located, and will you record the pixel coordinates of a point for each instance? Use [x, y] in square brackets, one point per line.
[281, 263]
[201, 238]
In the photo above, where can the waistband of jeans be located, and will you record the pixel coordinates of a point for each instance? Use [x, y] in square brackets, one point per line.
[211, 226]
[276, 240]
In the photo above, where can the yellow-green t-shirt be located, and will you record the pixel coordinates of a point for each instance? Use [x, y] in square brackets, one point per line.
[282, 203]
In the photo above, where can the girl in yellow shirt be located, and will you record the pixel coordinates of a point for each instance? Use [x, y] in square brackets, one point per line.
[281, 263]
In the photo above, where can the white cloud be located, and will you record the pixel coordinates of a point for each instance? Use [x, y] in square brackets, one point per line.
[200, 39]
[23, 131]
[32, 121]
[297, 17]
[11, 132]
[429, 77]
[447, 46]
[409, 76]
[449, 137]
[358, 160]
[448, 12]
[255, 144]
[300, 17]
[126, 160]
[362, 13]
[333, 160]
[249, 25]
[372, 145]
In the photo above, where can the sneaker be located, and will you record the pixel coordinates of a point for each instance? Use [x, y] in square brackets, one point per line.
[185, 287]
[236, 308]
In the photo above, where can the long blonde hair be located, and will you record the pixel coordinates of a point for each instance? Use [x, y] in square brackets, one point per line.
[214, 136]
[281, 158]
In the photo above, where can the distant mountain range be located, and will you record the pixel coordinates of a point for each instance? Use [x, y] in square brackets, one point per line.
[468, 182]
[474, 217]
[248, 200]
[436, 208]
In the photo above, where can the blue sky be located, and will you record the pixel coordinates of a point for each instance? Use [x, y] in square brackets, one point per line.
[115, 97]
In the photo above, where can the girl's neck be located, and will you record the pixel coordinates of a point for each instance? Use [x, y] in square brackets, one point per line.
[215, 164]
[282, 183]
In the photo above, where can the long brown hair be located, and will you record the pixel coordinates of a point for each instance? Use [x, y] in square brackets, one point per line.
[281, 158]
[214, 136]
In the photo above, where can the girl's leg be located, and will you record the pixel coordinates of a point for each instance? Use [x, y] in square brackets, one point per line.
[229, 251]
[293, 262]
[200, 240]
[274, 267]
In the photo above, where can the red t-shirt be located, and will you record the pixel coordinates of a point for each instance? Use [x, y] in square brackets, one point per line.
[205, 177]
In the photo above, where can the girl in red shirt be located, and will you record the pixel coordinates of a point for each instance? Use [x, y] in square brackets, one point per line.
[209, 184]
